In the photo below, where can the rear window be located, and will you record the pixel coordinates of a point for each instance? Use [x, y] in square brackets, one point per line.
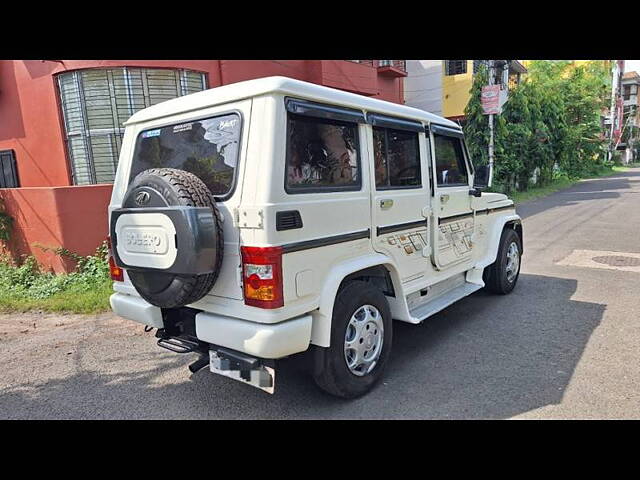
[208, 148]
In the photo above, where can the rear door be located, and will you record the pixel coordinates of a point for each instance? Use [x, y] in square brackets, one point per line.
[453, 216]
[211, 144]
[400, 193]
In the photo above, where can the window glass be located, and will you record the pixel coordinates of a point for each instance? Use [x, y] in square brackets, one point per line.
[322, 154]
[450, 165]
[627, 92]
[397, 158]
[207, 148]
[95, 104]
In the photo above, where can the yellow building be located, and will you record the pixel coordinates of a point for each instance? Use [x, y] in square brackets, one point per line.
[457, 79]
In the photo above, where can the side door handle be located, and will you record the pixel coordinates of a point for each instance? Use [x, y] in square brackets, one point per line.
[444, 198]
[386, 204]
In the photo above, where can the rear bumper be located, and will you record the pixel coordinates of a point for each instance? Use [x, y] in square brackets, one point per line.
[261, 340]
[258, 339]
[136, 309]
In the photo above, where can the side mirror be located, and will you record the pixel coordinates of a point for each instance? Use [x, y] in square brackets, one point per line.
[482, 176]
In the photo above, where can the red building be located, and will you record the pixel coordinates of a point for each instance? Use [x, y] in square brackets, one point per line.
[61, 128]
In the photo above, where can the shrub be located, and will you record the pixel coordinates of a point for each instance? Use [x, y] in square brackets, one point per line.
[30, 281]
[6, 223]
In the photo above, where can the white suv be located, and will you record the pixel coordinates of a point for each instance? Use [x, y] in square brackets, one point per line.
[253, 221]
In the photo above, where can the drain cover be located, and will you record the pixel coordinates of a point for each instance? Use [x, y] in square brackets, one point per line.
[618, 261]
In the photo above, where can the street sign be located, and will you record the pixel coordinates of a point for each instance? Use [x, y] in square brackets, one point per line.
[490, 99]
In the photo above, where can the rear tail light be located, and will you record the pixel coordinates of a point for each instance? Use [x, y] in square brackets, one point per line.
[117, 274]
[262, 276]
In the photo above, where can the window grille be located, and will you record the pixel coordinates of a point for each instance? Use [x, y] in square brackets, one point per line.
[455, 67]
[95, 104]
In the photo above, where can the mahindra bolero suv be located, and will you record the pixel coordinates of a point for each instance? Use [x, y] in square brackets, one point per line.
[258, 220]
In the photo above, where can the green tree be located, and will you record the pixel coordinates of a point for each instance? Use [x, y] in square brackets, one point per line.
[550, 124]
[476, 128]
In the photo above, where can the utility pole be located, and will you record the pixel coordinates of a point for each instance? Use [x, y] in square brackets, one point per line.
[614, 86]
[490, 123]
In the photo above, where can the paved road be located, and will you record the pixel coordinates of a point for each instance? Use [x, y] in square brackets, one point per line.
[564, 344]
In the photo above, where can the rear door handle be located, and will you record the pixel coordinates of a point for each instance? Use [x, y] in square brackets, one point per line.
[444, 198]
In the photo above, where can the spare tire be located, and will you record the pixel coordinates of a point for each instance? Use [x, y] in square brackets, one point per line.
[169, 187]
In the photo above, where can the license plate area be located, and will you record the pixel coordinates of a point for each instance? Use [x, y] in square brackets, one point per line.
[242, 368]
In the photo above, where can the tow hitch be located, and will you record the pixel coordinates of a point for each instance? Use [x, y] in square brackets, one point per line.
[254, 371]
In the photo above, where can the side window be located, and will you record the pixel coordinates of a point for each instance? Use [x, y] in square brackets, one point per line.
[397, 158]
[321, 155]
[450, 165]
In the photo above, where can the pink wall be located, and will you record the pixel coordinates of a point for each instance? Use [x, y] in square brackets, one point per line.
[50, 211]
[73, 217]
[31, 122]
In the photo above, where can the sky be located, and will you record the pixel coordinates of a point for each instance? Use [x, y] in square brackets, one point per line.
[632, 65]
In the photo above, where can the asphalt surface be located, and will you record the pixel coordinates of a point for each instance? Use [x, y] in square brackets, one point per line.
[564, 344]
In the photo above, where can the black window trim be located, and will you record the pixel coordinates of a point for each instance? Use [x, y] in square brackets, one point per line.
[462, 148]
[445, 131]
[301, 191]
[397, 123]
[168, 123]
[307, 108]
[404, 187]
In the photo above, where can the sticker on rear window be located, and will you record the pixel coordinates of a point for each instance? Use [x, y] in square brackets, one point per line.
[183, 127]
[227, 124]
[151, 133]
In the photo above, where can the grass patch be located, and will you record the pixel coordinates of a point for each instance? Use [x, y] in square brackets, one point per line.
[627, 167]
[563, 182]
[76, 299]
[539, 192]
[26, 286]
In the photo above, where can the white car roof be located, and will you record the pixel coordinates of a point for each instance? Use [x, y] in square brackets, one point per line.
[286, 86]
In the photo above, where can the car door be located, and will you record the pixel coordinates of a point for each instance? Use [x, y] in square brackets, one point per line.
[400, 193]
[453, 223]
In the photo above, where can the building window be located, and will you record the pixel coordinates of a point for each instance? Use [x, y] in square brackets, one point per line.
[397, 158]
[455, 67]
[8, 170]
[96, 102]
[322, 155]
[477, 64]
[514, 80]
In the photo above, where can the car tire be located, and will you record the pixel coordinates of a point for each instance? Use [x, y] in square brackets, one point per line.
[502, 275]
[361, 323]
[177, 188]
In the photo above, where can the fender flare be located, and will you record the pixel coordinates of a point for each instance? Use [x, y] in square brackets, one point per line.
[321, 328]
[494, 240]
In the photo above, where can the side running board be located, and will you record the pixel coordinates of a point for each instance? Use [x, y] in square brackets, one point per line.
[426, 310]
